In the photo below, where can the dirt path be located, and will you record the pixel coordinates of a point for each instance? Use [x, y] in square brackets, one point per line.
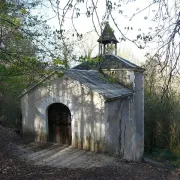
[14, 167]
[62, 156]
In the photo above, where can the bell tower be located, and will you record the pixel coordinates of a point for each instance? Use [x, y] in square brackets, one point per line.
[107, 41]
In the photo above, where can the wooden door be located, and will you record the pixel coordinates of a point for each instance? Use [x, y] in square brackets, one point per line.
[59, 125]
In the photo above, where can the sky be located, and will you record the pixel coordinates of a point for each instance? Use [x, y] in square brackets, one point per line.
[139, 23]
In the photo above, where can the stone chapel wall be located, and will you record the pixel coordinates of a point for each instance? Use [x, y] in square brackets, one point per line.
[86, 107]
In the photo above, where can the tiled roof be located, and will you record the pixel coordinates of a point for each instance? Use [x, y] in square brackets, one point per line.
[99, 83]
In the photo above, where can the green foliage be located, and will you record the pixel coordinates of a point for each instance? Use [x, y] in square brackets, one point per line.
[162, 117]
[57, 61]
[164, 156]
[175, 135]
[111, 79]
[19, 63]
[110, 30]
[110, 49]
[157, 121]
[10, 112]
[91, 60]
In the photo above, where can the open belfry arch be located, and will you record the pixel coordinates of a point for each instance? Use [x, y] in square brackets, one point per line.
[107, 41]
[88, 109]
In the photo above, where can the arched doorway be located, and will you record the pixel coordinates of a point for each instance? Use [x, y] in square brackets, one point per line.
[59, 123]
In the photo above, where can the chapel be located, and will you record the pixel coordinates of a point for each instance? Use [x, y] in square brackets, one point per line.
[96, 106]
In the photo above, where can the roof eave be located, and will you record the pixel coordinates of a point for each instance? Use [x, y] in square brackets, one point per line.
[25, 91]
[118, 97]
[106, 41]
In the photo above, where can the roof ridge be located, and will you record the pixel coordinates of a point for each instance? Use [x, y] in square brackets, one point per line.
[108, 61]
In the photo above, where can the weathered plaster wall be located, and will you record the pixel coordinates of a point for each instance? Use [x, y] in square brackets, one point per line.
[138, 101]
[86, 107]
[117, 112]
[123, 76]
[132, 122]
[121, 129]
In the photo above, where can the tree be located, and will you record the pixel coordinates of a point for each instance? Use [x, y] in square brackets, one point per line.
[165, 35]
[19, 51]
[161, 120]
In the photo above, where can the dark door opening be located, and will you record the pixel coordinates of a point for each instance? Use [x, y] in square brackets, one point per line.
[59, 122]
